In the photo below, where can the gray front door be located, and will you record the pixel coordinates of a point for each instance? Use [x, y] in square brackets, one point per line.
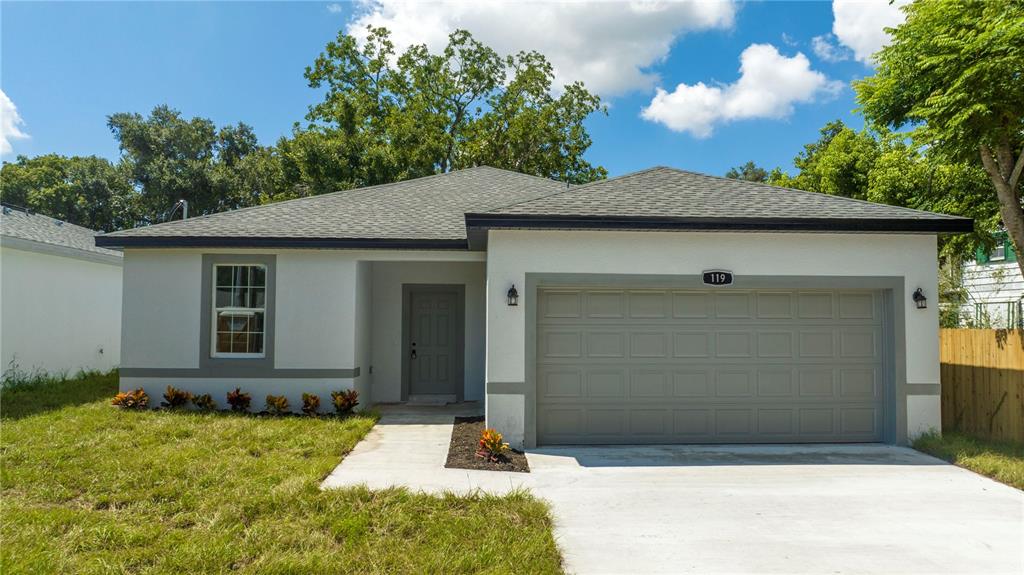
[434, 344]
[709, 366]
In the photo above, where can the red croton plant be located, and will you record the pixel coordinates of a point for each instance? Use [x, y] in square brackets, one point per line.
[492, 446]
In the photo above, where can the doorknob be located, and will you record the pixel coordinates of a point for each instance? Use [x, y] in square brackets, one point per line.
[413, 353]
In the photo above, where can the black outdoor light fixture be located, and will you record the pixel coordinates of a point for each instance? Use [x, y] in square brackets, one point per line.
[919, 300]
[513, 296]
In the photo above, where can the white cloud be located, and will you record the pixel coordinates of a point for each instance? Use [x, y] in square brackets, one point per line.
[768, 87]
[334, 8]
[789, 40]
[607, 45]
[825, 48]
[10, 121]
[860, 25]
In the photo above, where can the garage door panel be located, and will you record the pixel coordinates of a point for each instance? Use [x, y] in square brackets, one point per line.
[708, 366]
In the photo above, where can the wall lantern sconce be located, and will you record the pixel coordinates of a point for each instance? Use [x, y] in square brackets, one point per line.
[919, 300]
[513, 296]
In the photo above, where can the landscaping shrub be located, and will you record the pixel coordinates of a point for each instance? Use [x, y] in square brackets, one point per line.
[344, 401]
[492, 445]
[132, 399]
[175, 398]
[277, 404]
[204, 402]
[310, 403]
[239, 401]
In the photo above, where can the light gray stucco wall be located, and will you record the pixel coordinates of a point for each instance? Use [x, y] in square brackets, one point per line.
[364, 332]
[514, 255]
[388, 278]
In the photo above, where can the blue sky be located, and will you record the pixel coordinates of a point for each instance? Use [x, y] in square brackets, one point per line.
[670, 75]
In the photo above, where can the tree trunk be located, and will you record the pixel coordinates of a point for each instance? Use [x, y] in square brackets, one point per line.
[1006, 177]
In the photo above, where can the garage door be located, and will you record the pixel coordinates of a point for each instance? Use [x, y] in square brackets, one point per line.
[708, 366]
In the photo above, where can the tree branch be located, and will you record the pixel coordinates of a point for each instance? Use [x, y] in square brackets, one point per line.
[1017, 169]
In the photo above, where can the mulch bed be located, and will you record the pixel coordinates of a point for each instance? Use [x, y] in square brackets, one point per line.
[462, 450]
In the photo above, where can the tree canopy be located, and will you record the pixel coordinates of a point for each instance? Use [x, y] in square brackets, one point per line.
[84, 190]
[388, 116]
[750, 172]
[884, 167]
[954, 73]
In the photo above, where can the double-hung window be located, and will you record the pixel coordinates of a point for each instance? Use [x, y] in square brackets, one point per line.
[239, 310]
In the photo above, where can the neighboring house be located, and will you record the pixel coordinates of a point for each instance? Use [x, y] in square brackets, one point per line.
[578, 315]
[994, 289]
[60, 300]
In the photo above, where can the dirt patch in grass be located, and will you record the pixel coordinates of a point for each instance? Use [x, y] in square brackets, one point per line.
[462, 450]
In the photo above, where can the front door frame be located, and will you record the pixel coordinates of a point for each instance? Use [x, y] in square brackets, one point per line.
[460, 332]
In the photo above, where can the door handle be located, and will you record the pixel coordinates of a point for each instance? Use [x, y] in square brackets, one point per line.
[412, 354]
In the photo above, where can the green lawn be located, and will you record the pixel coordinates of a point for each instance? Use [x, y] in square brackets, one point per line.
[88, 488]
[1000, 460]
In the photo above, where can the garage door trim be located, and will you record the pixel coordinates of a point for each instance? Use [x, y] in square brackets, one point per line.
[893, 329]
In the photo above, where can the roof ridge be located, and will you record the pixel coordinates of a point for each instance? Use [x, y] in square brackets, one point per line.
[577, 188]
[809, 192]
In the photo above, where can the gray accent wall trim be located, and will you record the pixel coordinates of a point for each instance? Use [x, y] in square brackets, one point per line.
[229, 372]
[924, 389]
[460, 337]
[228, 366]
[506, 387]
[893, 290]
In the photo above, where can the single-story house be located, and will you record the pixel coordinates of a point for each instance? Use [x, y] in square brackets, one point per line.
[663, 306]
[60, 297]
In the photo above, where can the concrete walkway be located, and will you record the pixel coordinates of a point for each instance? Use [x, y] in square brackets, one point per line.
[408, 448]
[725, 509]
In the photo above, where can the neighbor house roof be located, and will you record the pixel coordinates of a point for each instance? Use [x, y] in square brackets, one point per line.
[422, 213]
[435, 212]
[667, 198]
[23, 229]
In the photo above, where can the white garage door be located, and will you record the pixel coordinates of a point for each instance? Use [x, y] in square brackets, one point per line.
[708, 366]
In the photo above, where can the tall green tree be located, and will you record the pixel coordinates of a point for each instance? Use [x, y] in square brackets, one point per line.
[84, 190]
[885, 167]
[954, 71]
[168, 158]
[750, 172]
[388, 116]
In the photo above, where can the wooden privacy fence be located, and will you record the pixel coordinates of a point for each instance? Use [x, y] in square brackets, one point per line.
[983, 382]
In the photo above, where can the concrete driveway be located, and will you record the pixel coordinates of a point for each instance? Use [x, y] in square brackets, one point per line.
[776, 509]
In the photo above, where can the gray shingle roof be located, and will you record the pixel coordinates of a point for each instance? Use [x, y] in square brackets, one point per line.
[434, 212]
[662, 192]
[429, 208]
[23, 225]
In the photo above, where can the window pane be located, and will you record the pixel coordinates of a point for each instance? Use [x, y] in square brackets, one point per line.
[223, 297]
[255, 343]
[257, 276]
[257, 322]
[238, 297]
[223, 342]
[241, 276]
[257, 297]
[223, 275]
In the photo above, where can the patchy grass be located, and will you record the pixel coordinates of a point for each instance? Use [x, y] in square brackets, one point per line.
[89, 488]
[1000, 460]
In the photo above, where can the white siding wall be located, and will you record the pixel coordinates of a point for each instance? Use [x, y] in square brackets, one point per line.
[992, 288]
[60, 314]
[513, 254]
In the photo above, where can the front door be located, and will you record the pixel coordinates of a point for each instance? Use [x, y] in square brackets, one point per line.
[434, 342]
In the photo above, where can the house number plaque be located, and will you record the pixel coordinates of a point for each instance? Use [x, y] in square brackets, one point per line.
[717, 278]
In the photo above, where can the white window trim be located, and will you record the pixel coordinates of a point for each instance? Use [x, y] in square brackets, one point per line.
[1001, 257]
[215, 313]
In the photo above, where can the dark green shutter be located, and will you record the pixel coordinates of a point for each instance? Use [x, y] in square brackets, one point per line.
[1011, 254]
[981, 255]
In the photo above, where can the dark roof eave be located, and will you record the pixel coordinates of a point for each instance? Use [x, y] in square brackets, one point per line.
[279, 242]
[854, 225]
